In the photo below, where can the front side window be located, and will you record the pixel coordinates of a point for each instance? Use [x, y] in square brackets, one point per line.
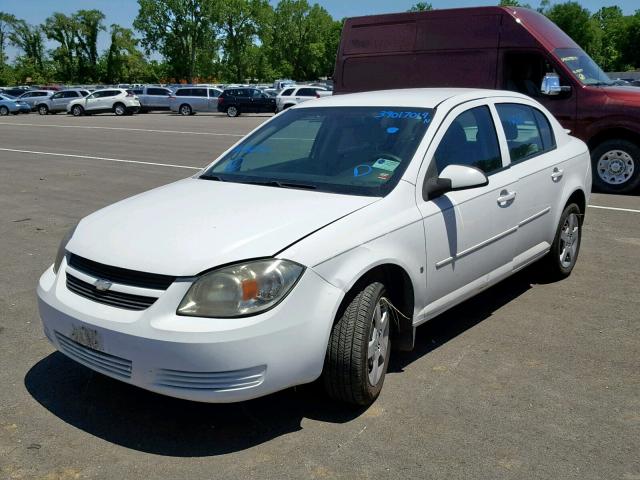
[583, 67]
[55, 96]
[525, 137]
[352, 150]
[471, 140]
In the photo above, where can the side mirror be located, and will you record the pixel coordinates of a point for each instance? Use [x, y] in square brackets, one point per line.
[551, 85]
[454, 177]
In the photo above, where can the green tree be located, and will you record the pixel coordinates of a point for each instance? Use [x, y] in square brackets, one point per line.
[62, 29]
[630, 42]
[181, 30]
[513, 3]
[421, 7]
[29, 39]
[611, 22]
[87, 24]
[123, 62]
[7, 22]
[576, 22]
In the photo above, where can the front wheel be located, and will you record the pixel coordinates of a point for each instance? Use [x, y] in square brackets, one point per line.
[560, 261]
[185, 110]
[43, 110]
[77, 111]
[358, 352]
[616, 166]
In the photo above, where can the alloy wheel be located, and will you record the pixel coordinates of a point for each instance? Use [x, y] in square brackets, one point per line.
[569, 240]
[378, 347]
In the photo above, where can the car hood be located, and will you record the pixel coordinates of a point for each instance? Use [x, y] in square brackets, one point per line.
[628, 95]
[192, 225]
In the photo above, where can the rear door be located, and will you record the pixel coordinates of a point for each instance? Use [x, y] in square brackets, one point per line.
[533, 159]
[200, 99]
[470, 233]
[58, 101]
[158, 98]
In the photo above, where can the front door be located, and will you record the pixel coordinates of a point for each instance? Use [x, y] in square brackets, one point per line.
[470, 233]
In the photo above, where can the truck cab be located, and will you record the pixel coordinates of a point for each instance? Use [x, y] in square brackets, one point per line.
[503, 48]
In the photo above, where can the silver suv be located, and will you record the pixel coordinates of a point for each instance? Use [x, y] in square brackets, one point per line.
[58, 101]
[189, 100]
[153, 98]
[33, 97]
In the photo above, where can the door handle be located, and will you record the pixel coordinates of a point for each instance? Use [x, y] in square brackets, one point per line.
[506, 197]
[557, 174]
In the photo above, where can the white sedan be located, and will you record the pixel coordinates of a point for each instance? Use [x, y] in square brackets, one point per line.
[316, 242]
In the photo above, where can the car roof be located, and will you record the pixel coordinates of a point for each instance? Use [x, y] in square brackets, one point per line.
[408, 97]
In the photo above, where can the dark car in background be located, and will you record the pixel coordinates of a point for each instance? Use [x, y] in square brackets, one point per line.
[235, 101]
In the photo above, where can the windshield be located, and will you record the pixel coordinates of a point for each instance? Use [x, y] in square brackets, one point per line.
[352, 150]
[583, 67]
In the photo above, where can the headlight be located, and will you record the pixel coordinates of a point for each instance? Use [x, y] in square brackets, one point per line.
[240, 290]
[62, 248]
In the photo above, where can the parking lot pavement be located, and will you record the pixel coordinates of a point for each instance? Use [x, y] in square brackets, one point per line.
[527, 380]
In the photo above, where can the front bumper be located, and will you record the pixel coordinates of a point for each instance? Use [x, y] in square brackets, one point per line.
[201, 359]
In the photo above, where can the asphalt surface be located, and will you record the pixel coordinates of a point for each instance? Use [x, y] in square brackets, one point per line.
[528, 380]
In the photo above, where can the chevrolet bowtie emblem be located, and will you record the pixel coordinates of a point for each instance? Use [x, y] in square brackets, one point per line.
[102, 285]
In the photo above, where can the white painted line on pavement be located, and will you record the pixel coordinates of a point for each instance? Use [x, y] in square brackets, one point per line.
[615, 209]
[121, 128]
[105, 159]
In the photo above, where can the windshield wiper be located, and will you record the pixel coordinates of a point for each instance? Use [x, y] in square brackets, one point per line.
[281, 184]
[212, 177]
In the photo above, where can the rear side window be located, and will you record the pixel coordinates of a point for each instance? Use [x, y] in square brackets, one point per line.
[183, 92]
[199, 92]
[307, 92]
[111, 93]
[157, 91]
[528, 135]
[287, 92]
[471, 139]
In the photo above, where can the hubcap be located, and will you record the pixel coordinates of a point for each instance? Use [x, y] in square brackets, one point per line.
[378, 347]
[232, 111]
[119, 110]
[185, 110]
[569, 240]
[615, 167]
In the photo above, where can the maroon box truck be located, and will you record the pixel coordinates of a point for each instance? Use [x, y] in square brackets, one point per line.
[500, 48]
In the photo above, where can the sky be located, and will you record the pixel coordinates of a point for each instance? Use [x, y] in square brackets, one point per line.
[124, 11]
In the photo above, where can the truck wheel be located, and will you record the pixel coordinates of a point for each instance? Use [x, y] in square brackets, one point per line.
[233, 111]
[559, 262]
[616, 166]
[43, 109]
[77, 111]
[4, 111]
[358, 352]
[185, 110]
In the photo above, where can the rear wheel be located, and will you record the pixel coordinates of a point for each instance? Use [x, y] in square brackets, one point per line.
[43, 109]
[4, 111]
[562, 258]
[358, 352]
[185, 110]
[233, 111]
[77, 111]
[616, 166]
[119, 109]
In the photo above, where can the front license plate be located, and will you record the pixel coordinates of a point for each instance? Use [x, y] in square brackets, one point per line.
[87, 337]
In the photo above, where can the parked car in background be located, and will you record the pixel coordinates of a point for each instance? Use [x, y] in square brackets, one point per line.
[12, 105]
[153, 98]
[235, 101]
[58, 101]
[294, 95]
[507, 48]
[34, 97]
[190, 100]
[318, 242]
[116, 100]
[14, 91]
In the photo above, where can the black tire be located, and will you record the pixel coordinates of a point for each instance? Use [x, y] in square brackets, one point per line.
[233, 111]
[553, 267]
[185, 110]
[43, 109]
[618, 153]
[119, 109]
[4, 111]
[77, 111]
[346, 374]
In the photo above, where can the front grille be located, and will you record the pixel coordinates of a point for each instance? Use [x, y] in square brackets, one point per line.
[94, 359]
[120, 275]
[215, 381]
[109, 297]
